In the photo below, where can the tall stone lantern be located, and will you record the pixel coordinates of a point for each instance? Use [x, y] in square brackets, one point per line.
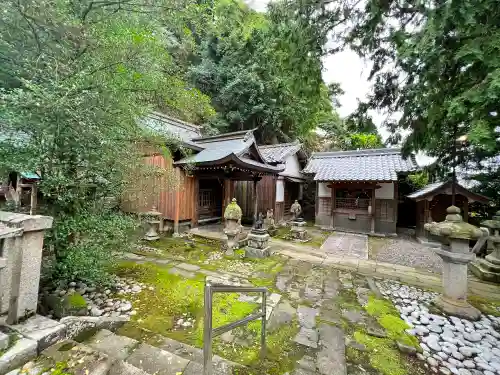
[232, 215]
[454, 235]
[489, 268]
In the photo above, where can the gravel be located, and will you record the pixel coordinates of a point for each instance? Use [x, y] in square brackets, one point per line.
[404, 251]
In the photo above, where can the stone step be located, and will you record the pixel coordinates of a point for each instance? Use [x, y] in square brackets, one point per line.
[481, 269]
[195, 355]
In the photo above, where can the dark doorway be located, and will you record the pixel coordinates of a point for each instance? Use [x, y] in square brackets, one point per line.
[210, 200]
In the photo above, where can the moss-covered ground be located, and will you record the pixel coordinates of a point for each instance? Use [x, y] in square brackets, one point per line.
[175, 297]
[317, 237]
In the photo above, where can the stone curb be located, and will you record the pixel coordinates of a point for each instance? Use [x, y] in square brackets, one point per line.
[405, 274]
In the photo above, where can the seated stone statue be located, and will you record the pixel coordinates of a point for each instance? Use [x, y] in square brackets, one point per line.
[295, 209]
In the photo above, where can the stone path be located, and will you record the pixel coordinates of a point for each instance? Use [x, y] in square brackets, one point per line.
[346, 244]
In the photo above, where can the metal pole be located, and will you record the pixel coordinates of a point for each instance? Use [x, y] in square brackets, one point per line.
[207, 331]
[263, 328]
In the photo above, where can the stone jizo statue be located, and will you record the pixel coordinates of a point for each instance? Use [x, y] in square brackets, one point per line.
[296, 209]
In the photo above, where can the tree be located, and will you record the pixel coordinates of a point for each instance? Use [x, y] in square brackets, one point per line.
[74, 78]
[437, 64]
[264, 71]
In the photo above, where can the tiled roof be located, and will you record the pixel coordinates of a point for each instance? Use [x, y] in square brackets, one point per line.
[427, 189]
[169, 126]
[361, 165]
[278, 153]
[445, 187]
[226, 147]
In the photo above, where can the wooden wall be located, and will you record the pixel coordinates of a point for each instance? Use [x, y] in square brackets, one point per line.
[157, 186]
[244, 194]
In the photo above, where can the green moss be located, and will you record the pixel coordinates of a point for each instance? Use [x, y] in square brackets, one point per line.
[382, 354]
[60, 368]
[75, 300]
[377, 307]
[486, 306]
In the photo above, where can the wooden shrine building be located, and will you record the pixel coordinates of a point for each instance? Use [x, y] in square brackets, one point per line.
[433, 200]
[358, 190]
[204, 182]
[276, 192]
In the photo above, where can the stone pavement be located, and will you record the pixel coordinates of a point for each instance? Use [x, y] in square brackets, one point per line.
[396, 272]
[346, 244]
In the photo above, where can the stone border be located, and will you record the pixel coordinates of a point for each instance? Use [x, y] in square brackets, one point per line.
[404, 274]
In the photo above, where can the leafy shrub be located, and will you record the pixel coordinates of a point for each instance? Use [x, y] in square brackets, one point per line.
[86, 244]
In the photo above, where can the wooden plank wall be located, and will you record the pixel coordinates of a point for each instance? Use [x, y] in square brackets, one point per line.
[243, 193]
[160, 190]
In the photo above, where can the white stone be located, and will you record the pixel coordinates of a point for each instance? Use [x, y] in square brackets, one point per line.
[469, 364]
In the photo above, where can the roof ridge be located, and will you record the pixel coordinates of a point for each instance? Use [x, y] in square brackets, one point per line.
[230, 136]
[294, 143]
[179, 121]
[363, 152]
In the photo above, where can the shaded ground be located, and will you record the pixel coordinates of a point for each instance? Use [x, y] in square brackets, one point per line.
[404, 251]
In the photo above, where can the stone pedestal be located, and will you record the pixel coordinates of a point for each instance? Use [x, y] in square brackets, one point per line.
[153, 221]
[454, 235]
[298, 230]
[232, 215]
[257, 246]
[20, 262]
[489, 268]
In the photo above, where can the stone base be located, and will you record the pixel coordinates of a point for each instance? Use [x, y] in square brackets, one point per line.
[257, 240]
[23, 351]
[460, 309]
[43, 330]
[151, 238]
[485, 270]
[252, 252]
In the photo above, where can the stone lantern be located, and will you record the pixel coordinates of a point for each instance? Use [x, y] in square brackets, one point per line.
[232, 215]
[489, 268]
[454, 235]
[153, 220]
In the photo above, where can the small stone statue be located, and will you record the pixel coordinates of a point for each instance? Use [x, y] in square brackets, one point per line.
[269, 220]
[295, 209]
[259, 221]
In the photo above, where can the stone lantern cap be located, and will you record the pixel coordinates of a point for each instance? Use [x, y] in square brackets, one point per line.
[494, 223]
[454, 226]
[233, 211]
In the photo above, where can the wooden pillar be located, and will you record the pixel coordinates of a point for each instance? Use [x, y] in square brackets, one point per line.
[34, 193]
[256, 198]
[177, 200]
[228, 193]
[466, 210]
[334, 204]
[396, 202]
[373, 212]
[194, 214]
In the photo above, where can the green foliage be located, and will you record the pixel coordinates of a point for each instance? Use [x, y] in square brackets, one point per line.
[264, 70]
[85, 244]
[419, 179]
[435, 64]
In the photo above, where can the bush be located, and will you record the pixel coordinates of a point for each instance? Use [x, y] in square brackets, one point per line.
[86, 244]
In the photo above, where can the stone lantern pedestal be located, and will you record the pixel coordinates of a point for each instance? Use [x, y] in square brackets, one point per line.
[298, 229]
[454, 235]
[489, 268]
[153, 220]
[232, 215]
[257, 246]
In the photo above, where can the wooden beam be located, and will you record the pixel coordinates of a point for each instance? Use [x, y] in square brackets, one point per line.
[466, 210]
[373, 211]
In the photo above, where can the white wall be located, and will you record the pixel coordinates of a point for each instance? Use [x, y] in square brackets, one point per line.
[280, 191]
[386, 191]
[323, 190]
[292, 167]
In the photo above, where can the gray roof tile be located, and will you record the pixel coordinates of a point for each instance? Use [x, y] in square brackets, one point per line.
[360, 165]
[279, 152]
